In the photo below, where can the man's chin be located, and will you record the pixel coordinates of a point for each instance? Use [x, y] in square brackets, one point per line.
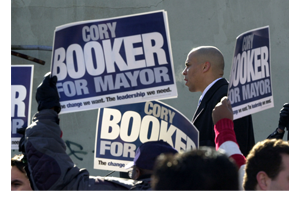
[191, 90]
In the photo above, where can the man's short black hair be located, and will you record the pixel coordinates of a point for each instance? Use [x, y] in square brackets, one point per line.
[19, 162]
[201, 169]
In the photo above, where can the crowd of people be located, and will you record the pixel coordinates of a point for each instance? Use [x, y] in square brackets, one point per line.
[227, 159]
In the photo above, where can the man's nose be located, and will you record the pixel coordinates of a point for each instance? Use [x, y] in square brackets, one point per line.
[184, 71]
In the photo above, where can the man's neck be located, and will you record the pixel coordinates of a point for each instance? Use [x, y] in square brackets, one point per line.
[209, 86]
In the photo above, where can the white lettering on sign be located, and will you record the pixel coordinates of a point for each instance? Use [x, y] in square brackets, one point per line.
[15, 124]
[100, 31]
[256, 89]
[72, 88]
[159, 111]
[117, 148]
[18, 95]
[248, 42]
[115, 125]
[75, 62]
[252, 65]
[129, 79]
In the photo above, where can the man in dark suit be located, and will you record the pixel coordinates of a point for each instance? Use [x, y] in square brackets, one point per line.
[203, 73]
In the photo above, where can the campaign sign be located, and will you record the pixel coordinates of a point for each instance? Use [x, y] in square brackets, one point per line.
[21, 90]
[122, 129]
[250, 88]
[102, 63]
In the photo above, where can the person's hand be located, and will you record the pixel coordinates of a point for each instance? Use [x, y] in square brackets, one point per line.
[283, 122]
[47, 95]
[222, 110]
[284, 117]
[276, 134]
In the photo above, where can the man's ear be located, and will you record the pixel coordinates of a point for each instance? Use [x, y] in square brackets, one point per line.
[263, 180]
[136, 173]
[207, 66]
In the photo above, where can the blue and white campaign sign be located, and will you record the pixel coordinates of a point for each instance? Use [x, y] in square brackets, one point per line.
[122, 129]
[21, 90]
[108, 62]
[250, 88]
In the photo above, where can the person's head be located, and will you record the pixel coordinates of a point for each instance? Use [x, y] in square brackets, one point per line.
[19, 179]
[204, 64]
[267, 166]
[145, 157]
[200, 169]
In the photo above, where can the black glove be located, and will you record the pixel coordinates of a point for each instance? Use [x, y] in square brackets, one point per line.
[284, 117]
[276, 135]
[47, 95]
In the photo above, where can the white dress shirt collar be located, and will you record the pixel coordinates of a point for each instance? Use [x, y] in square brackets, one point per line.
[206, 90]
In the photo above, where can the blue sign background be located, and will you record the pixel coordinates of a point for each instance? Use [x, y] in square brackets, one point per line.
[126, 26]
[179, 121]
[22, 75]
[261, 38]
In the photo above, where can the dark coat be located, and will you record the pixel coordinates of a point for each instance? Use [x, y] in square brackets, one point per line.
[204, 123]
[49, 166]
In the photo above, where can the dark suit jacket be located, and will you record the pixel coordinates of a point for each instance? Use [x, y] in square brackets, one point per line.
[204, 123]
